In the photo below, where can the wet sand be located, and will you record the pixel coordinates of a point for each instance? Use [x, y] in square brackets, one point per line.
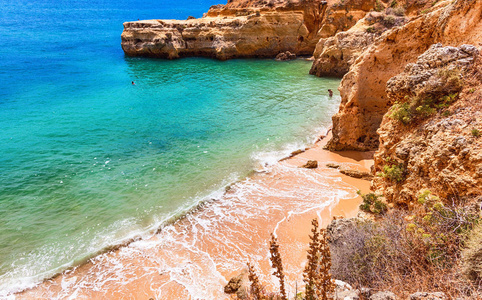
[196, 256]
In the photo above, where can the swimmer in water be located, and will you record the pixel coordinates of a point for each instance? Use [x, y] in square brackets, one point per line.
[330, 92]
[133, 83]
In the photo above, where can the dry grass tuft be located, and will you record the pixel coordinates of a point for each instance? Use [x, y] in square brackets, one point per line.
[407, 253]
[472, 256]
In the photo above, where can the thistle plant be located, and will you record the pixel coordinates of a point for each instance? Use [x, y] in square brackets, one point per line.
[316, 275]
[309, 274]
[277, 265]
[255, 284]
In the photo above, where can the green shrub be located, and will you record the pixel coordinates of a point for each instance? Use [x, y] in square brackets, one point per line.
[394, 172]
[370, 29]
[393, 4]
[425, 110]
[475, 132]
[401, 112]
[428, 102]
[372, 204]
[426, 198]
[446, 101]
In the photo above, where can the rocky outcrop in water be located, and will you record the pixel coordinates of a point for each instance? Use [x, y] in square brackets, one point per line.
[429, 140]
[244, 29]
[364, 99]
[284, 56]
[238, 29]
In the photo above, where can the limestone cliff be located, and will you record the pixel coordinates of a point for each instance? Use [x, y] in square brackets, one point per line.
[431, 139]
[242, 29]
[238, 29]
[335, 55]
[364, 99]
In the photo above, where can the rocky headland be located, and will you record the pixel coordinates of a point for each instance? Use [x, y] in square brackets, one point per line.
[243, 29]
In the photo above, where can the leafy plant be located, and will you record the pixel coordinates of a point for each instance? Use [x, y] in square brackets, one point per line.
[319, 284]
[406, 253]
[475, 132]
[401, 112]
[472, 256]
[370, 29]
[394, 172]
[425, 110]
[372, 204]
[451, 80]
[430, 100]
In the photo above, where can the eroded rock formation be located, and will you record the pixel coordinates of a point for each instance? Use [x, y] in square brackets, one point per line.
[364, 99]
[335, 55]
[238, 29]
[242, 29]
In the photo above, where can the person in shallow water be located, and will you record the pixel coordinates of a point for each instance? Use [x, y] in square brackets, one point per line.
[133, 83]
[330, 92]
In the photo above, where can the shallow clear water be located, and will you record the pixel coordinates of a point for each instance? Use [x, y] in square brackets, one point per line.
[88, 160]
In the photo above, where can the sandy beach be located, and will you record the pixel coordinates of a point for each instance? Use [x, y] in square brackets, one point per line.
[196, 256]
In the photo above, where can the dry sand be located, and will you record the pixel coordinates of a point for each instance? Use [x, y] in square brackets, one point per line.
[195, 257]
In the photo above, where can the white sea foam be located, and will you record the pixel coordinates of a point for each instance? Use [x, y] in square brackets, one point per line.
[182, 252]
[267, 158]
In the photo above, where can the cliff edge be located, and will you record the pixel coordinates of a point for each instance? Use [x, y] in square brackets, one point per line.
[364, 99]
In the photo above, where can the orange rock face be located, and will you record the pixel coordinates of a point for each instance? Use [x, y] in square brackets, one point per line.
[364, 99]
[238, 29]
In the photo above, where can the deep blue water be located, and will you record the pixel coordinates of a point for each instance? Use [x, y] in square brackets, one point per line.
[88, 160]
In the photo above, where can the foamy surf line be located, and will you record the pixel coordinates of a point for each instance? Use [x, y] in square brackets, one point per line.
[263, 159]
[202, 248]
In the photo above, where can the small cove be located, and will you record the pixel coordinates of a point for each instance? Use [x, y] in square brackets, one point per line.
[89, 160]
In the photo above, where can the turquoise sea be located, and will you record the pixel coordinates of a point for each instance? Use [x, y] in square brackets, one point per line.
[89, 161]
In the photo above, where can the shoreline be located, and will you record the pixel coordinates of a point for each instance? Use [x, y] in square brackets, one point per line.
[291, 226]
